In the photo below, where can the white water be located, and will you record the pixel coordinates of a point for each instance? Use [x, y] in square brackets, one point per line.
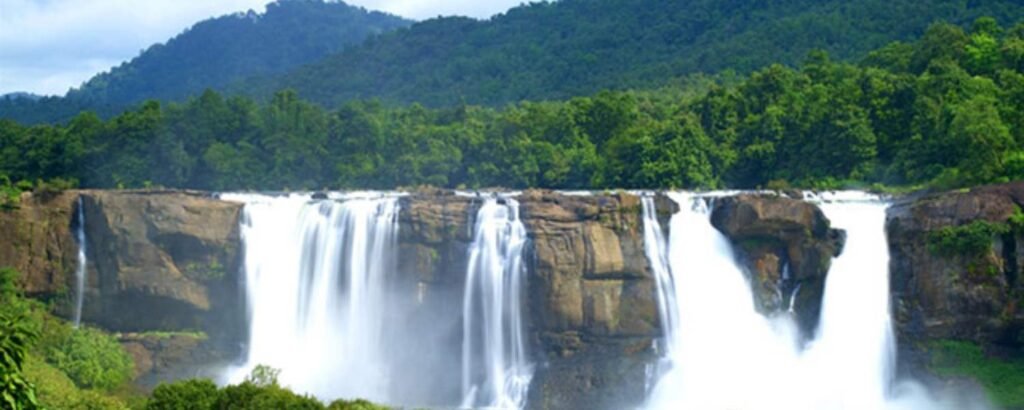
[315, 277]
[495, 370]
[721, 354]
[82, 270]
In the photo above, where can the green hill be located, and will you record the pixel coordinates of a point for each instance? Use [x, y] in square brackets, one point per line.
[567, 48]
[213, 53]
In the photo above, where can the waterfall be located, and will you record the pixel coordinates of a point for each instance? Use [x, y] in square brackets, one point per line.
[82, 269]
[495, 370]
[315, 279]
[721, 354]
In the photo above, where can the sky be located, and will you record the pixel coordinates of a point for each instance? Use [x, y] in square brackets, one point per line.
[49, 46]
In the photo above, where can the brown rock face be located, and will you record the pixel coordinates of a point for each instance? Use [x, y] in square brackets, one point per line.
[157, 260]
[36, 240]
[160, 260]
[938, 295]
[592, 316]
[591, 299]
[786, 246]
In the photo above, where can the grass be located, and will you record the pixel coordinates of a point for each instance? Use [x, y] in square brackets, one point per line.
[1002, 379]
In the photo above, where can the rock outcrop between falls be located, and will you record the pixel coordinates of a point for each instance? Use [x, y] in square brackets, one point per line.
[943, 293]
[591, 299]
[590, 303]
[786, 247]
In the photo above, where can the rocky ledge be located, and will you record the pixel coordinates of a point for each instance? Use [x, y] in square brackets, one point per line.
[955, 267]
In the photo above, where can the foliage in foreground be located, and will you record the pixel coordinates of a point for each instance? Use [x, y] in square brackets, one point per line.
[16, 336]
[57, 367]
[16, 392]
[93, 359]
[1003, 379]
[259, 391]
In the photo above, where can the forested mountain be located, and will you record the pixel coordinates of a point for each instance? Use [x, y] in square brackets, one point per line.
[946, 110]
[566, 48]
[549, 50]
[215, 52]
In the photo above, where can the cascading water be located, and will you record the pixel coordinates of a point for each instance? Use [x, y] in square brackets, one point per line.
[315, 277]
[82, 268]
[722, 354]
[495, 370]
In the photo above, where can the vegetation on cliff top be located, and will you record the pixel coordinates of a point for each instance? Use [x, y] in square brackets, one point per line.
[973, 239]
[946, 110]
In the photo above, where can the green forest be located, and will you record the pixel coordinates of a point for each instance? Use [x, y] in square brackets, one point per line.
[944, 111]
[563, 49]
[546, 50]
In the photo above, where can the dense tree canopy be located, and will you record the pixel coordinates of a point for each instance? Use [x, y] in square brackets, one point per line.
[548, 50]
[566, 48]
[946, 109]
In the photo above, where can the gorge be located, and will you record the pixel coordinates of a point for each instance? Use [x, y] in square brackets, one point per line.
[540, 299]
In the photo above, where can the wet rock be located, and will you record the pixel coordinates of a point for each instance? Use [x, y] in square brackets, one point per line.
[786, 246]
[591, 299]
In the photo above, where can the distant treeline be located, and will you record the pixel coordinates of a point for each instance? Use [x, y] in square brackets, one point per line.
[946, 110]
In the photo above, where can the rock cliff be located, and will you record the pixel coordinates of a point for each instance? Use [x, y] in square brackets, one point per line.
[169, 260]
[36, 240]
[591, 299]
[157, 260]
[161, 260]
[958, 291]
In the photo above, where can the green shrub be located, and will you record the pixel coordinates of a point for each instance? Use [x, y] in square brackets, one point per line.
[973, 239]
[92, 359]
[195, 394]
[1003, 379]
[16, 392]
[1016, 221]
[56, 391]
[249, 396]
[10, 194]
[260, 390]
[354, 405]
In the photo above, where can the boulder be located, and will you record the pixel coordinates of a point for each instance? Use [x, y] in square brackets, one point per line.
[786, 246]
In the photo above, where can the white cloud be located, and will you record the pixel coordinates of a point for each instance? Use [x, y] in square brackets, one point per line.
[49, 46]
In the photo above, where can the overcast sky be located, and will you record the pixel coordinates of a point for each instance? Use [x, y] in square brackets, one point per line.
[48, 46]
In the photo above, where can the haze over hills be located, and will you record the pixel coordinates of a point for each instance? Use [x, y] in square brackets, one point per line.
[215, 52]
[538, 51]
